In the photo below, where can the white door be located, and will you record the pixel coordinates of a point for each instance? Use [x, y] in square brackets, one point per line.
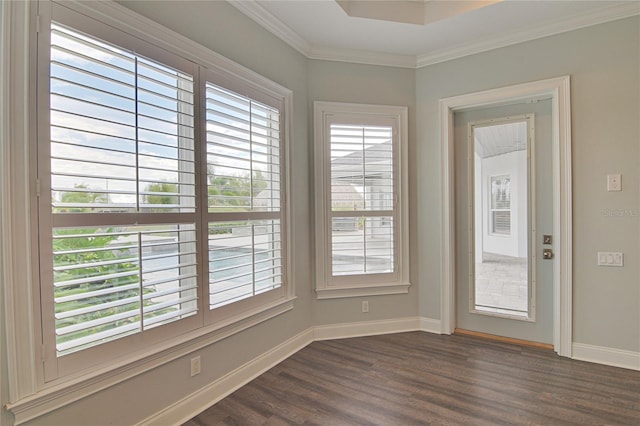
[503, 199]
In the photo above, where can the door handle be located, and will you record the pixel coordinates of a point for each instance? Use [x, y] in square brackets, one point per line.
[547, 254]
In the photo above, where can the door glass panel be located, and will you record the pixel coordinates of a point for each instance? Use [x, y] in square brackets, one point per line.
[500, 228]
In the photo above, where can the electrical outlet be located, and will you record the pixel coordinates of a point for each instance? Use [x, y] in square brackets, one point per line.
[365, 306]
[195, 366]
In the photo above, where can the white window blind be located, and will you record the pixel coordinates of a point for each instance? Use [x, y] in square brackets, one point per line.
[362, 194]
[121, 143]
[114, 281]
[361, 199]
[121, 130]
[244, 199]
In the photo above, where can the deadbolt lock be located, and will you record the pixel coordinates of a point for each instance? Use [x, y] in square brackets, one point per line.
[547, 254]
[546, 239]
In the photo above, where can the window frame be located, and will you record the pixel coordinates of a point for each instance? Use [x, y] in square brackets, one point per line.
[329, 286]
[32, 392]
[238, 309]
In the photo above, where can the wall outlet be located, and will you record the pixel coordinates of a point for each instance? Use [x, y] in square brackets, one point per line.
[365, 306]
[195, 366]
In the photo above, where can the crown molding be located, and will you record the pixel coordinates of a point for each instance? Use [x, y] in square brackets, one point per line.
[264, 18]
[362, 57]
[596, 17]
[268, 21]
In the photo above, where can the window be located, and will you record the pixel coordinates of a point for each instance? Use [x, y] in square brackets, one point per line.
[148, 203]
[244, 202]
[121, 141]
[500, 205]
[361, 200]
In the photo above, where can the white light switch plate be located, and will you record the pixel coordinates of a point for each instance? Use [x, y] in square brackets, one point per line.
[614, 182]
[610, 258]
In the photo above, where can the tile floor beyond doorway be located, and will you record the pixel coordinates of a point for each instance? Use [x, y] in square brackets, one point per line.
[501, 284]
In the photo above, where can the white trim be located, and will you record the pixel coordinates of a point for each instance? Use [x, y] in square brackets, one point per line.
[16, 250]
[558, 90]
[607, 356]
[363, 57]
[430, 325]
[79, 387]
[289, 229]
[529, 119]
[600, 16]
[183, 410]
[377, 290]
[275, 26]
[365, 328]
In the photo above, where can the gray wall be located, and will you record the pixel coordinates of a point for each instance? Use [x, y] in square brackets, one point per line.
[604, 64]
[365, 84]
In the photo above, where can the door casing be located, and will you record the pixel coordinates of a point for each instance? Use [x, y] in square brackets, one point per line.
[558, 90]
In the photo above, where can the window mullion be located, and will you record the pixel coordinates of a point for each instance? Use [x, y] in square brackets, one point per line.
[137, 137]
[202, 191]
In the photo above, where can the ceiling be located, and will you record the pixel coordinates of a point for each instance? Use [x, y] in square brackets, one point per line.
[398, 34]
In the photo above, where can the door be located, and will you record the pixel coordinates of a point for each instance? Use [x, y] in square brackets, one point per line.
[504, 285]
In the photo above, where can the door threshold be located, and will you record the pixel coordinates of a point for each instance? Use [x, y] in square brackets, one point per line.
[503, 339]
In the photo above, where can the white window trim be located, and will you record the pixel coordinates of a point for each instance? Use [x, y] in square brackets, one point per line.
[29, 397]
[15, 199]
[325, 289]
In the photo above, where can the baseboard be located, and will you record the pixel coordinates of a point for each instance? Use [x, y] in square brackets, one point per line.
[186, 408]
[365, 328]
[372, 328]
[431, 325]
[607, 356]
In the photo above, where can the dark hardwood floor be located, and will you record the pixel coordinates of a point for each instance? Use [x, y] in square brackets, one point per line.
[421, 378]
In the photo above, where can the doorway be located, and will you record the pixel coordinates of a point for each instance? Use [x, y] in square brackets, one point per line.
[503, 197]
[557, 90]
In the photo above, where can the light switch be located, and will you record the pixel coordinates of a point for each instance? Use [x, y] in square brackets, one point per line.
[602, 258]
[614, 182]
[607, 258]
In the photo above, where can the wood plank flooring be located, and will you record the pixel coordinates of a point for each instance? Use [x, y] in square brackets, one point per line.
[420, 378]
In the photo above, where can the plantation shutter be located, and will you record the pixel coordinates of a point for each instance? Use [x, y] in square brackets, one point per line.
[362, 199]
[244, 196]
[121, 130]
[122, 192]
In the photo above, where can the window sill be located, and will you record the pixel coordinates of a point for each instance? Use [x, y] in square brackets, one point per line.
[76, 388]
[377, 290]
